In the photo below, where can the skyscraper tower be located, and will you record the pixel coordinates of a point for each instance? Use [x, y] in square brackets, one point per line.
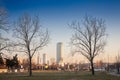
[38, 59]
[59, 52]
[44, 58]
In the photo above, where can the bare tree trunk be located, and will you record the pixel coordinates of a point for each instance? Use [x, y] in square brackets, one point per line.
[118, 71]
[92, 67]
[30, 66]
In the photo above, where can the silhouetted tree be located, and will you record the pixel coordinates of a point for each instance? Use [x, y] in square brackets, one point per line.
[12, 64]
[30, 35]
[118, 64]
[1, 59]
[89, 38]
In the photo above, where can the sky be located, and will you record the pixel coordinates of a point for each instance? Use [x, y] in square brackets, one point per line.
[57, 14]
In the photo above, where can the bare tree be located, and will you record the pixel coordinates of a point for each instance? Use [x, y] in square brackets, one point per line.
[30, 36]
[3, 19]
[118, 63]
[3, 27]
[89, 39]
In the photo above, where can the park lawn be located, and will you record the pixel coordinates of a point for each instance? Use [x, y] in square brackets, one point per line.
[58, 76]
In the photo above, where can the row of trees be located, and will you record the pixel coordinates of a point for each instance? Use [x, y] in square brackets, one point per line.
[88, 39]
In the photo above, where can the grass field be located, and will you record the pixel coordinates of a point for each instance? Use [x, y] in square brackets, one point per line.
[58, 76]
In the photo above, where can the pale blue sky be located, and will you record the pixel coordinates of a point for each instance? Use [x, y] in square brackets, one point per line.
[56, 14]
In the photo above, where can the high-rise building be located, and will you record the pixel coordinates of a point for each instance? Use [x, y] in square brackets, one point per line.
[44, 58]
[38, 59]
[59, 52]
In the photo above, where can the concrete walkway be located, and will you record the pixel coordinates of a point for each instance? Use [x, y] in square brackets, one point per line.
[114, 74]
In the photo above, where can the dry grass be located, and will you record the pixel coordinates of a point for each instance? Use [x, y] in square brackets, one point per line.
[50, 75]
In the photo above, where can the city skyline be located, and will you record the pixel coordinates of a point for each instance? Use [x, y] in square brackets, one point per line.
[57, 14]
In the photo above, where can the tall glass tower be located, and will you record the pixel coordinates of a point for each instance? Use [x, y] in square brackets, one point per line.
[44, 58]
[59, 51]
